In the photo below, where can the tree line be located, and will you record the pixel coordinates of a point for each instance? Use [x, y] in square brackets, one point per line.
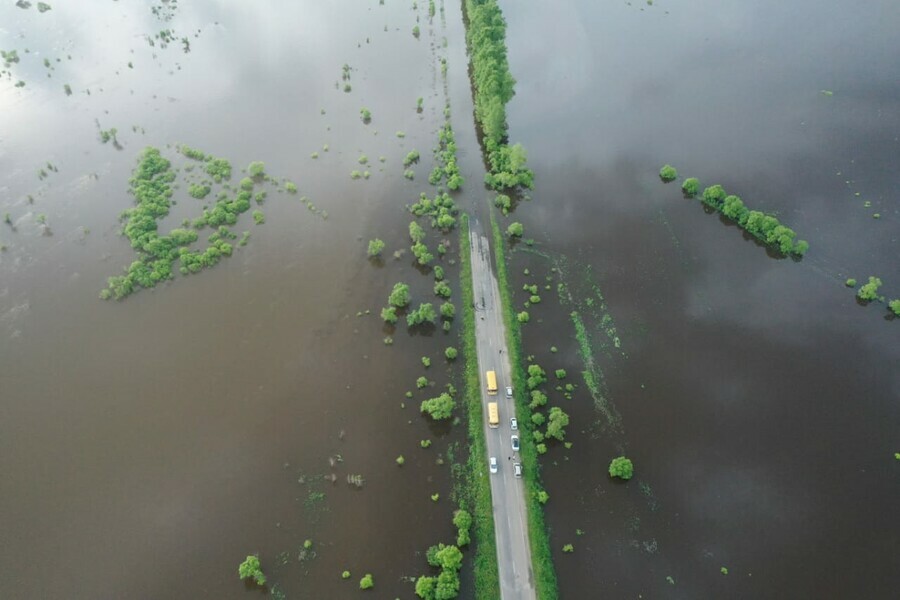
[493, 83]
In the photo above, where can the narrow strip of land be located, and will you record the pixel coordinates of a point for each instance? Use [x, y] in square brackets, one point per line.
[507, 491]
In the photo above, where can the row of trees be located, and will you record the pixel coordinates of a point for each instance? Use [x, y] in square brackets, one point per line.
[764, 227]
[493, 83]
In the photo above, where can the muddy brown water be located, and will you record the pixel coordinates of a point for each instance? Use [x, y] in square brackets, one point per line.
[757, 399]
[148, 446]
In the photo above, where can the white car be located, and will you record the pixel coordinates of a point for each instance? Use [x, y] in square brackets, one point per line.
[513, 424]
[515, 443]
[493, 464]
[517, 467]
[509, 391]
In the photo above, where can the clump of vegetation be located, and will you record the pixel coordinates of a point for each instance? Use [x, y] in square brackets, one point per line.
[894, 305]
[851, 283]
[198, 191]
[515, 230]
[411, 157]
[258, 217]
[424, 314]
[440, 407]
[345, 575]
[290, 187]
[621, 467]
[493, 83]
[400, 460]
[446, 167]
[367, 582]
[441, 209]
[450, 353]
[568, 548]
[415, 31]
[690, 186]
[409, 174]
[218, 168]
[503, 202]
[109, 134]
[256, 169]
[445, 585]
[399, 296]
[419, 104]
[250, 569]
[668, 173]
[869, 291]
[376, 247]
[365, 114]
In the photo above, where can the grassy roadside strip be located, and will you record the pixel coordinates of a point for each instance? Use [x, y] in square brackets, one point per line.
[487, 578]
[542, 560]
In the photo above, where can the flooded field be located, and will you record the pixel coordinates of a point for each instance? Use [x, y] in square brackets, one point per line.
[148, 446]
[756, 397]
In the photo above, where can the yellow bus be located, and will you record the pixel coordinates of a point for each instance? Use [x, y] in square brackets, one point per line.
[493, 415]
[491, 382]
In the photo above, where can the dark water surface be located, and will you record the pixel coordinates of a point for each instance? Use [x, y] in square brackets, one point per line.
[148, 446]
[757, 399]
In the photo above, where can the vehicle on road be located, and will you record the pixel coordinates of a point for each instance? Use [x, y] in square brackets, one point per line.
[493, 415]
[509, 392]
[515, 443]
[513, 423]
[491, 377]
[493, 464]
[517, 468]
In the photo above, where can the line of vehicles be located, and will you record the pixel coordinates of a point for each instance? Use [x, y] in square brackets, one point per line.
[494, 421]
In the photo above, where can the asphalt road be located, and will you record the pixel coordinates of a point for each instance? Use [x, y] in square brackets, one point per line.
[507, 491]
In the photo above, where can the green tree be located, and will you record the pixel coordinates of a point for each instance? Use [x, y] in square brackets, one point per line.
[450, 353]
[439, 408]
[450, 558]
[556, 427]
[691, 186]
[515, 230]
[714, 195]
[376, 246]
[399, 296]
[462, 520]
[560, 373]
[442, 289]
[367, 582]
[621, 467]
[523, 317]
[538, 399]
[250, 569]
[536, 376]
[448, 310]
[869, 291]
[425, 313]
[538, 418]
[425, 587]
[668, 173]
[416, 233]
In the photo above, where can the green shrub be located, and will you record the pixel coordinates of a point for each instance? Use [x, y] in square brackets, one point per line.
[569, 548]
[894, 305]
[345, 575]
[399, 296]
[869, 291]
[450, 353]
[198, 191]
[439, 408]
[365, 114]
[367, 582]
[621, 467]
[250, 569]
[523, 317]
[515, 230]
[560, 373]
[400, 460]
[668, 173]
[259, 217]
[376, 246]
[691, 186]
[851, 283]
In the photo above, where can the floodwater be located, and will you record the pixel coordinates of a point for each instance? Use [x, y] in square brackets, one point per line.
[757, 399]
[147, 446]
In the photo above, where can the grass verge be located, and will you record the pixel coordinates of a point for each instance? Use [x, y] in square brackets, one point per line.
[539, 538]
[487, 578]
